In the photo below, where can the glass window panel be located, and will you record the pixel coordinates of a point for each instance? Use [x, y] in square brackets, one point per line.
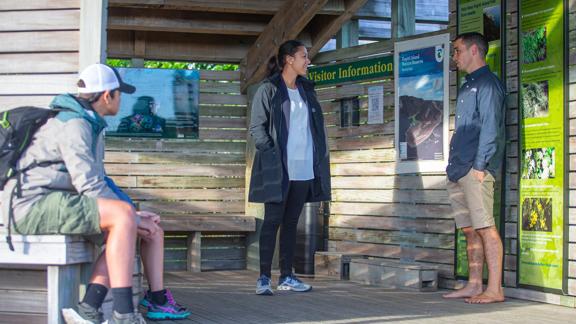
[436, 10]
[374, 29]
[329, 46]
[427, 28]
[375, 9]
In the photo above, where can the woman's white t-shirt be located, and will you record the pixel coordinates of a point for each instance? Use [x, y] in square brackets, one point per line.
[300, 147]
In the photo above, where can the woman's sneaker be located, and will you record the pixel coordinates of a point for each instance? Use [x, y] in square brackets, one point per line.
[293, 283]
[170, 310]
[130, 318]
[263, 286]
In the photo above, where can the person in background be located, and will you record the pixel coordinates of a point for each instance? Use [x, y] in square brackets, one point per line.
[143, 118]
[476, 153]
[291, 165]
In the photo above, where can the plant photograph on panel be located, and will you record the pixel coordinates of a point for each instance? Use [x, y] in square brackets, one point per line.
[539, 163]
[537, 214]
[534, 99]
[534, 45]
[491, 19]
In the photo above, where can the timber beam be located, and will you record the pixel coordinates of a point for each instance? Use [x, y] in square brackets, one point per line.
[268, 7]
[185, 22]
[286, 24]
[324, 27]
[178, 46]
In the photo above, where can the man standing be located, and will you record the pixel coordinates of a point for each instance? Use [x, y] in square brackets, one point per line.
[476, 153]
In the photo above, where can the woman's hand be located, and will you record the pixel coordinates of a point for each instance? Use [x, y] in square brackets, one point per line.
[147, 227]
[148, 214]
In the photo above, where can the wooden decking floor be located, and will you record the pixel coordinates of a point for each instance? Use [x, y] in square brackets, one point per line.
[228, 297]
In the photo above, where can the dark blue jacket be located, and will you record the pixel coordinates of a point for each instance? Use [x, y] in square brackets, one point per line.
[478, 139]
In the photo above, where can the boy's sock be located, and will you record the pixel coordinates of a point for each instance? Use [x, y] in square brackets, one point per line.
[95, 294]
[123, 300]
[158, 297]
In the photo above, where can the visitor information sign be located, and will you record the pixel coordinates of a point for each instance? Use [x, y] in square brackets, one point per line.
[484, 17]
[542, 144]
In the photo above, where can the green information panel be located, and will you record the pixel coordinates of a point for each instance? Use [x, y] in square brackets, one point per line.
[354, 71]
[485, 17]
[542, 136]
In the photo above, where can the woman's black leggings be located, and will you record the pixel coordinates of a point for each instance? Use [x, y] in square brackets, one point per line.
[285, 213]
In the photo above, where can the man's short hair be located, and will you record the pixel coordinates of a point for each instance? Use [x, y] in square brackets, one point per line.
[474, 38]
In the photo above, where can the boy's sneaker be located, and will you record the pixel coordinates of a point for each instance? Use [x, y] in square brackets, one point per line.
[86, 315]
[263, 286]
[170, 310]
[293, 283]
[130, 318]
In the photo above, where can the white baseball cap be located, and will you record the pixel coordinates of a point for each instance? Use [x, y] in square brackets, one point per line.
[99, 77]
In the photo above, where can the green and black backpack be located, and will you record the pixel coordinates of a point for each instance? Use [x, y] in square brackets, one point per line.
[17, 127]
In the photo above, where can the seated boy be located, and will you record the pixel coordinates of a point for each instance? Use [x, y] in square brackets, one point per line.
[62, 189]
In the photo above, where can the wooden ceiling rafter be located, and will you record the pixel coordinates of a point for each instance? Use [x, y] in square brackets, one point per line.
[246, 32]
[323, 28]
[286, 24]
[332, 7]
[138, 19]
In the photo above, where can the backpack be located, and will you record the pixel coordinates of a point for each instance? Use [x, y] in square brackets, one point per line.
[17, 127]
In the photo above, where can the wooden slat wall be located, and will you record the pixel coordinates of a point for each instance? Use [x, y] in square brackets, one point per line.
[572, 151]
[38, 56]
[511, 201]
[179, 177]
[375, 211]
[378, 213]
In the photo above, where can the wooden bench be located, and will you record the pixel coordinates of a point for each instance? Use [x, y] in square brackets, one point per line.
[194, 225]
[67, 261]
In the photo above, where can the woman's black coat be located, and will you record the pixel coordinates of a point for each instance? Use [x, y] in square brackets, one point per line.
[269, 124]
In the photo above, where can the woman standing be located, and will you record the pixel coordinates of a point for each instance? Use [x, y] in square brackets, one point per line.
[291, 165]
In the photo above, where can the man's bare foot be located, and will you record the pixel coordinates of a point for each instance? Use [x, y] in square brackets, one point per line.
[466, 292]
[486, 298]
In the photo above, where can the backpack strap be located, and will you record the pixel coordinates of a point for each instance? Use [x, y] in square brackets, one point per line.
[11, 216]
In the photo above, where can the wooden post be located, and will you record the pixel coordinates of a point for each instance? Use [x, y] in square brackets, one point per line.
[348, 34]
[403, 18]
[194, 252]
[93, 39]
[63, 290]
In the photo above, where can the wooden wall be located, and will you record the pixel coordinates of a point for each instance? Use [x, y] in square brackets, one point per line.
[39, 56]
[374, 210]
[512, 163]
[180, 177]
[377, 212]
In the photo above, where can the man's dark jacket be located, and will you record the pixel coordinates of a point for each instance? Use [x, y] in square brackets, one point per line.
[269, 125]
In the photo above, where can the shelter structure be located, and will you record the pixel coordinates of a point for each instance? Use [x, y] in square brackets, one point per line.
[377, 210]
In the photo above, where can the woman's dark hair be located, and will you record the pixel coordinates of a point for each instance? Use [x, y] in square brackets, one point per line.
[277, 62]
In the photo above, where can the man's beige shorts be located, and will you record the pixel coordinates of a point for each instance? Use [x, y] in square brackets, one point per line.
[472, 201]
